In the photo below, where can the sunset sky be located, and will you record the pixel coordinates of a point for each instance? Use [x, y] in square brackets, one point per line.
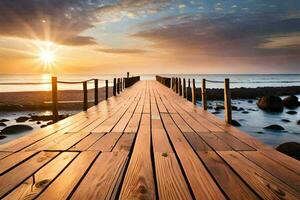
[150, 36]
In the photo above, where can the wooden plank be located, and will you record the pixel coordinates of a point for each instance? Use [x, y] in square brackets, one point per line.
[69, 141]
[101, 180]
[4, 154]
[182, 125]
[282, 159]
[106, 143]
[195, 125]
[62, 186]
[230, 183]
[133, 124]
[121, 125]
[170, 181]
[88, 141]
[17, 175]
[197, 142]
[201, 182]
[14, 159]
[266, 185]
[139, 181]
[285, 175]
[125, 142]
[216, 143]
[232, 141]
[34, 185]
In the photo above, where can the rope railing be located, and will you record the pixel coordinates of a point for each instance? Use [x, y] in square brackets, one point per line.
[179, 86]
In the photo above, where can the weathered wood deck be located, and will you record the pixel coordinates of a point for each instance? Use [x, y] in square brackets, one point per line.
[146, 143]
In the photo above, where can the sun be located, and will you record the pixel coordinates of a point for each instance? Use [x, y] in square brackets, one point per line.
[47, 57]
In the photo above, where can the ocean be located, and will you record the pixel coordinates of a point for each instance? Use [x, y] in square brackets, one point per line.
[252, 122]
[236, 81]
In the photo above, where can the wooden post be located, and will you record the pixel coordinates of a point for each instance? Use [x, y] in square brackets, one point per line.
[85, 96]
[188, 89]
[121, 80]
[121, 84]
[193, 92]
[180, 87]
[184, 89]
[115, 87]
[227, 102]
[118, 86]
[96, 92]
[106, 89]
[203, 93]
[127, 74]
[176, 85]
[54, 99]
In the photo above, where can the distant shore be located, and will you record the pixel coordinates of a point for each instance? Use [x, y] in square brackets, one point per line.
[41, 100]
[248, 93]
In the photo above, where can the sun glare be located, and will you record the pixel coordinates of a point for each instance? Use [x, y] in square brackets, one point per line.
[47, 57]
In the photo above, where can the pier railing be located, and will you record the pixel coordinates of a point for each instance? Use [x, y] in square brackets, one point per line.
[119, 84]
[178, 85]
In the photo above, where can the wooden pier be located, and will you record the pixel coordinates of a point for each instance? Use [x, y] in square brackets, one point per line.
[146, 143]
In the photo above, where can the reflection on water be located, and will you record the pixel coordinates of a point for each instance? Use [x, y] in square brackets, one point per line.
[46, 78]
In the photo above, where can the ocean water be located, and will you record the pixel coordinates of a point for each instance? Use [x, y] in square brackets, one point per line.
[252, 122]
[236, 81]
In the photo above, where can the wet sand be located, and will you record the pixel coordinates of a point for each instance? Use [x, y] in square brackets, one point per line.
[41, 100]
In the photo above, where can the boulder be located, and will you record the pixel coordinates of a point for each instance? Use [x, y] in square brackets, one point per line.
[270, 103]
[286, 120]
[22, 119]
[274, 127]
[245, 112]
[2, 137]
[4, 120]
[291, 112]
[43, 126]
[2, 124]
[291, 149]
[250, 101]
[235, 123]
[298, 122]
[291, 102]
[15, 129]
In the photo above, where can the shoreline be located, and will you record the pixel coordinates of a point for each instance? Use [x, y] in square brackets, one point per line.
[41, 100]
[247, 93]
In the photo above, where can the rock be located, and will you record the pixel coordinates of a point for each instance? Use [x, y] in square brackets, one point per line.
[250, 101]
[49, 123]
[286, 120]
[4, 120]
[234, 108]
[38, 122]
[291, 112]
[216, 112]
[219, 107]
[270, 103]
[245, 112]
[235, 123]
[291, 102]
[291, 149]
[22, 119]
[46, 117]
[15, 129]
[209, 107]
[2, 137]
[274, 127]
[2, 124]
[260, 132]
[298, 122]
[44, 125]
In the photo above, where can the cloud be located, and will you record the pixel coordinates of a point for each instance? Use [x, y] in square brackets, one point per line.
[63, 21]
[60, 21]
[122, 51]
[222, 35]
